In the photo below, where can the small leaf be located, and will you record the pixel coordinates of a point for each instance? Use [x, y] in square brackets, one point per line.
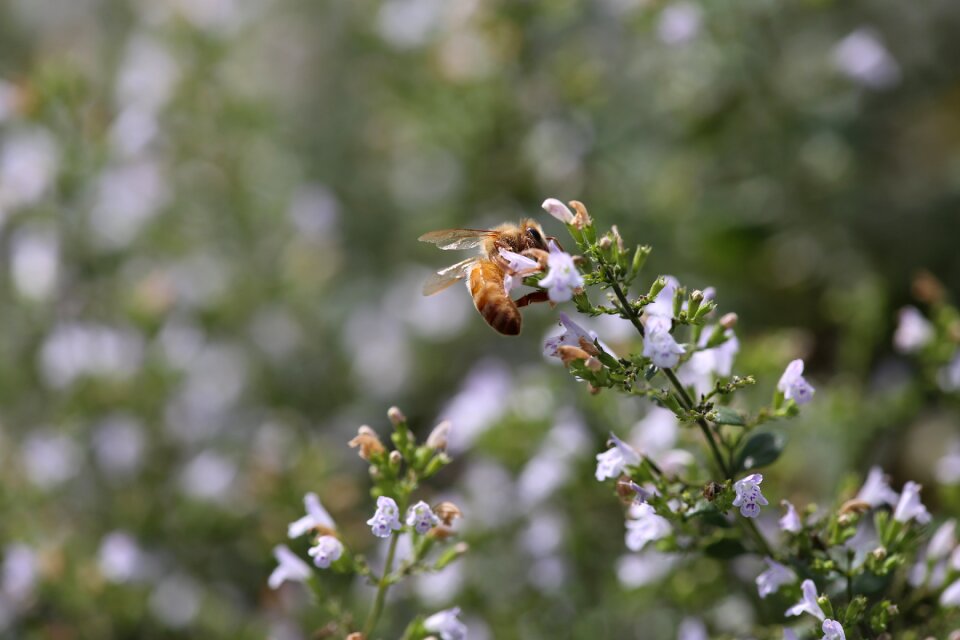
[726, 415]
[760, 450]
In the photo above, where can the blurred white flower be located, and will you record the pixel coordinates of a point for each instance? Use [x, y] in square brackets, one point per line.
[28, 164]
[562, 278]
[790, 522]
[118, 445]
[132, 131]
[386, 519]
[661, 347]
[275, 332]
[19, 573]
[774, 577]
[913, 332]
[49, 458]
[943, 541]
[832, 630]
[951, 595]
[317, 517]
[876, 490]
[120, 558]
[221, 16]
[808, 602]
[407, 24]
[127, 197]
[148, 76]
[949, 376]
[639, 569]
[611, 463]
[478, 404]
[793, 385]
[948, 467]
[374, 337]
[314, 211]
[863, 58]
[551, 467]
[679, 23]
[447, 624]
[35, 262]
[436, 588]
[175, 602]
[692, 629]
[289, 567]
[76, 349]
[909, 506]
[703, 364]
[209, 476]
[644, 525]
[543, 534]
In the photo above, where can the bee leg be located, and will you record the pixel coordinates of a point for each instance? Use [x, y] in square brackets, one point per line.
[530, 298]
[539, 255]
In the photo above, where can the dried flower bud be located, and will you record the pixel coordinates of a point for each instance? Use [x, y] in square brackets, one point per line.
[617, 238]
[605, 243]
[711, 490]
[880, 554]
[593, 364]
[570, 353]
[592, 389]
[396, 416]
[437, 439]
[582, 218]
[368, 442]
[854, 506]
[356, 635]
[927, 288]
[447, 512]
[588, 346]
[441, 532]
[729, 320]
[396, 458]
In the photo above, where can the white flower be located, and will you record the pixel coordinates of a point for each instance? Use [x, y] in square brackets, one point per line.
[948, 467]
[832, 630]
[692, 629]
[703, 364]
[909, 507]
[790, 521]
[949, 376]
[943, 541]
[951, 595]
[876, 490]
[562, 275]
[679, 23]
[327, 550]
[316, 518]
[808, 603]
[788, 634]
[863, 58]
[611, 462]
[661, 309]
[558, 210]
[571, 337]
[421, 517]
[913, 332]
[447, 625]
[661, 348]
[793, 385]
[773, 578]
[749, 498]
[517, 265]
[290, 567]
[386, 520]
[645, 526]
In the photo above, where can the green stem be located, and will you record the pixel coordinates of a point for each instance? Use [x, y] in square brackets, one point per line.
[384, 583]
[704, 427]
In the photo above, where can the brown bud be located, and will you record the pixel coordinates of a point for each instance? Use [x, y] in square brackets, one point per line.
[581, 218]
[927, 288]
[396, 416]
[625, 490]
[854, 506]
[368, 442]
[447, 512]
[588, 346]
[570, 353]
[605, 243]
[617, 238]
[711, 490]
[356, 635]
[729, 320]
[396, 458]
[592, 389]
[437, 439]
[441, 532]
[593, 364]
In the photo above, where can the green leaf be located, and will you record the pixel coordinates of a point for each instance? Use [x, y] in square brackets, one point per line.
[726, 415]
[760, 450]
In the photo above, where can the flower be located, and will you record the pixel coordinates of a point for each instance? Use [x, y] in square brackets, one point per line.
[316, 518]
[659, 346]
[909, 507]
[289, 567]
[790, 521]
[439, 437]
[517, 265]
[913, 332]
[562, 275]
[421, 517]
[793, 385]
[951, 595]
[808, 603]
[773, 578]
[368, 442]
[386, 519]
[832, 630]
[698, 371]
[644, 526]
[692, 629]
[573, 336]
[749, 498]
[943, 541]
[558, 210]
[327, 550]
[659, 313]
[446, 624]
[949, 376]
[611, 462]
[876, 490]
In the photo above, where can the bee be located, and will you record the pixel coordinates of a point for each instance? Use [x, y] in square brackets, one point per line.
[485, 273]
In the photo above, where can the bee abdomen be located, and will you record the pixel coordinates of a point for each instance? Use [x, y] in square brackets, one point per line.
[491, 300]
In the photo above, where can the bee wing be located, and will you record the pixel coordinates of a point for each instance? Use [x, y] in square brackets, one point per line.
[457, 238]
[446, 277]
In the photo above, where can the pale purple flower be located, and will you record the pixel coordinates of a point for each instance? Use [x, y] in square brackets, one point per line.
[317, 517]
[562, 275]
[661, 348]
[876, 490]
[948, 467]
[289, 567]
[909, 506]
[447, 624]
[774, 577]
[913, 332]
[421, 517]
[644, 525]
[703, 364]
[943, 541]
[558, 210]
[610, 463]
[808, 603]
[863, 58]
[832, 630]
[790, 521]
[951, 595]
[692, 629]
[386, 520]
[660, 311]
[949, 376]
[517, 265]
[749, 498]
[679, 23]
[326, 551]
[789, 634]
[793, 385]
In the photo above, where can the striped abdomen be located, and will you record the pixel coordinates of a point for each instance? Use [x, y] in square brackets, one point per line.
[491, 300]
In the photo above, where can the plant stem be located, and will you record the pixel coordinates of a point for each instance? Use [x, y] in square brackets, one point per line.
[384, 583]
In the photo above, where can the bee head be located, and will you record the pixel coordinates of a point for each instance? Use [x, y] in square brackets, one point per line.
[533, 237]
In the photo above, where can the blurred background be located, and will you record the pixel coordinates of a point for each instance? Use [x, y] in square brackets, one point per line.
[210, 279]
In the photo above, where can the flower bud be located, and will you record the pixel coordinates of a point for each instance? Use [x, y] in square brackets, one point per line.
[854, 506]
[368, 443]
[582, 219]
[558, 210]
[447, 512]
[880, 553]
[356, 635]
[824, 603]
[395, 458]
[729, 320]
[617, 238]
[569, 353]
[605, 243]
[396, 416]
[657, 287]
[437, 440]
[441, 532]
[588, 346]
[694, 303]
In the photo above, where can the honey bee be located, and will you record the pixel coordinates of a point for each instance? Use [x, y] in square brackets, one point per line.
[485, 273]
